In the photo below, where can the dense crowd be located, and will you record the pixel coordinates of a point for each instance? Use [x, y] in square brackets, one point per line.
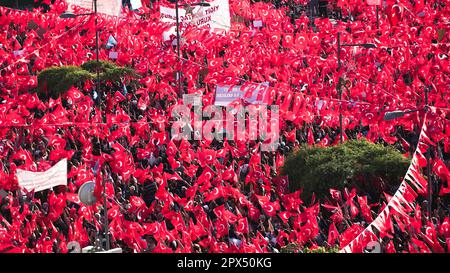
[166, 195]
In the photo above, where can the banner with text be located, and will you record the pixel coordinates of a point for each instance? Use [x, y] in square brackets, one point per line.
[252, 94]
[110, 7]
[215, 17]
[39, 181]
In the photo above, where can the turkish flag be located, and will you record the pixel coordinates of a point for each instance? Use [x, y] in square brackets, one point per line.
[206, 157]
[281, 183]
[444, 229]
[75, 95]
[441, 170]
[288, 40]
[173, 176]
[216, 193]
[191, 170]
[136, 203]
[221, 227]
[119, 97]
[291, 136]
[206, 175]
[311, 140]
[72, 197]
[284, 216]
[365, 209]
[394, 14]
[333, 234]
[242, 225]
[98, 189]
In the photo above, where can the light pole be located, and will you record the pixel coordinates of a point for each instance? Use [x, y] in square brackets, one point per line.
[178, 76]
[339, 84]
[397, 114]
[100, 95]
[378, 20]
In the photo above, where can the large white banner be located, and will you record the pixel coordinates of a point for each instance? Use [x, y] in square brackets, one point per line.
[110, 7]
[39, 181]
[216, 16]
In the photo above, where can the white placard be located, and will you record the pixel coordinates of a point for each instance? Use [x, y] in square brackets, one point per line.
[39, 181]
[374, 2]
[113, 55]
[136, 4]
[18, 52]
[193, 99]
[257, 23]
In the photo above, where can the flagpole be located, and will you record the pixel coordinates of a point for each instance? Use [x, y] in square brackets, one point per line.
[378, 20]
[97, 56]
[339, 87]
[178, 50]
[105, 204]
[179, 60]
[341, 80]
[428, 156]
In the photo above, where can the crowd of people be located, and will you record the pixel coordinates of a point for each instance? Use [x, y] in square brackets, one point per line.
[167, 195]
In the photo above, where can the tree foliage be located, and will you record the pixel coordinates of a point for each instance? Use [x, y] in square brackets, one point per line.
[371, 168]
[54, 81]
[296, 248]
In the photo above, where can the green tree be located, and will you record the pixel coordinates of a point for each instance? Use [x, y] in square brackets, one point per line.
[296, 248]
[56, 80]
[371, 168]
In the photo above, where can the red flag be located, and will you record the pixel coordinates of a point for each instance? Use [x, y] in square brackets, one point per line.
[441, 169]
[311, 140]
[336, 195]
[75, 95]
[444, 229]
[214, 194]
[394, 14]
[288, 40]
[173, 176]
[119, 97]
[325, 141]
[136, 203]
[353, 208]
[365, 209]
[404, 143]
[242, 225]
[284, 216]
[333, 234]
[281, 183]
[290, 136]
[221, 227]
[98, 189]
[390, 247]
